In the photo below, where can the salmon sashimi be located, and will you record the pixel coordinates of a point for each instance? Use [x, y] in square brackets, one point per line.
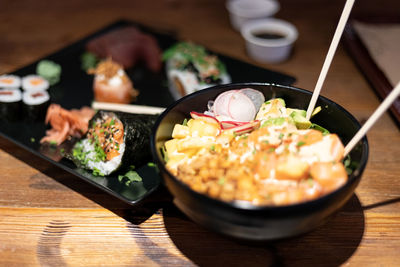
[65, 123]
[111, 84]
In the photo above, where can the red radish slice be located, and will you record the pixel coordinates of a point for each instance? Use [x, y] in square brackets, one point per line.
[221, 103]
[204, 117]
[230, 124]
[245, 128]
[241, 108]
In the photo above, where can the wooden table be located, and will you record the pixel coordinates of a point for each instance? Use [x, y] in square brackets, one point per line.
[51, 218]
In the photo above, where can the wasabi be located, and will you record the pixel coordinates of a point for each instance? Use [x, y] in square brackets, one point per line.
[49, 70]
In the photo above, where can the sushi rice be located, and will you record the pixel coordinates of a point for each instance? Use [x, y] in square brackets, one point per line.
[34, 83]
[10, 95]
[104, 167]
[10, 81]
[35, 98]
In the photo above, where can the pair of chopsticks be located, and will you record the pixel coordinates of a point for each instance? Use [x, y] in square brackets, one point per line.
[328, 60]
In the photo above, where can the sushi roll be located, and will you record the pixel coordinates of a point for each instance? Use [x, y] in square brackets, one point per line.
[35, 105]
[111, 84]
[34, 83]
[191, 68]
[114, 141]
[10, 103]
[10, 81]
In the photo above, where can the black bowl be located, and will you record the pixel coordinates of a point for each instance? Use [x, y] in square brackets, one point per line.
[241, 219]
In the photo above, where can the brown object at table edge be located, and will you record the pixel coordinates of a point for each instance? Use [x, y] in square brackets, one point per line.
[367, 65]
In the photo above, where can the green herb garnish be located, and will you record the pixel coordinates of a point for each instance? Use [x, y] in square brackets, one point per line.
[301, 143]
[188, 55]
[53, 143]
[164, 154]
[88, 61]
[97, 172]
[319, 128]
[130, 176]
[349, 164]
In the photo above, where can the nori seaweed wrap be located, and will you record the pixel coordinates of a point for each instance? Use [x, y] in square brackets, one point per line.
[114, 141]
[35, 105]
[10, 104]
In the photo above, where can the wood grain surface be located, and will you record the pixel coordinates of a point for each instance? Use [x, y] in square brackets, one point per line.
[51, 218]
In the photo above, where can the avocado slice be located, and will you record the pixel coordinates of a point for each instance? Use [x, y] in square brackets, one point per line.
[302, 112]
[299, 117]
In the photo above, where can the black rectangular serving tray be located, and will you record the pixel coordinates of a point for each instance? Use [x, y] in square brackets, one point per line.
[75, 90]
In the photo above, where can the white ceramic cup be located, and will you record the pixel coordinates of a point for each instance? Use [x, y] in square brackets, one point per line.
[271, 48]
[242, 11]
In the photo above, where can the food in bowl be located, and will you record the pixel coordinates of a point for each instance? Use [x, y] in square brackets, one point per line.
[244, 148]
[242, 219]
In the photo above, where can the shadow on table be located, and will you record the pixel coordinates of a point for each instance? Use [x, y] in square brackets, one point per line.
[135, 215]
[331, 244]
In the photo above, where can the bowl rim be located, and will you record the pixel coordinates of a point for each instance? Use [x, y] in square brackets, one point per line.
[245, 206]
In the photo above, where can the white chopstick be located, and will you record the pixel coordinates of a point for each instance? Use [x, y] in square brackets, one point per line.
[128, 108]
[331, 52]
[374, 117]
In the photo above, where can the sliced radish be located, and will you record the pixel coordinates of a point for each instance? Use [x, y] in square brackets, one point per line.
[204, 117]
[241, 108]
[238, 105]
[230, 124]
[255, 96]
[245, 128]
[220, 106]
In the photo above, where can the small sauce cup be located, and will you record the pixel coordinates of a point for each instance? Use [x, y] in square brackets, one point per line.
[242, 11]
[269, 40]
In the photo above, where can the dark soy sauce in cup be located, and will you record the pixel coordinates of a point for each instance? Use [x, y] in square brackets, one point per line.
[268, 35]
